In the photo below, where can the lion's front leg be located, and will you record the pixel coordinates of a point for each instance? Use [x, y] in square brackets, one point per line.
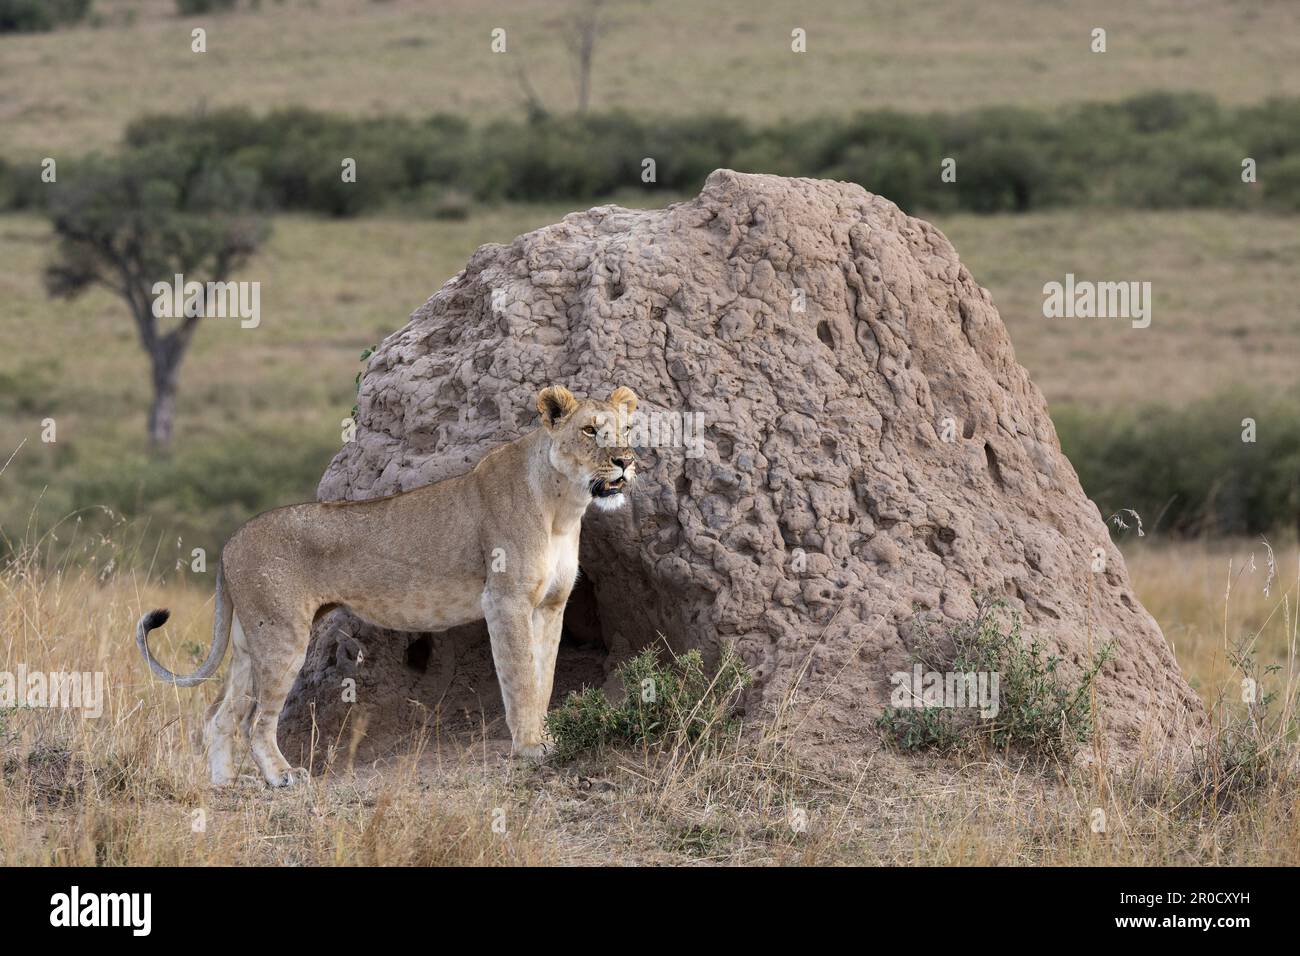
[548, 622]
[510, 626]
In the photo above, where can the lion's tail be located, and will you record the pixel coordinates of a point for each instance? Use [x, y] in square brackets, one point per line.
[220, 638]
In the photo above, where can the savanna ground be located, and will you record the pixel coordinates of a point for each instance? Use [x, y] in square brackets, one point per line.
[261, 411]
[127, 787]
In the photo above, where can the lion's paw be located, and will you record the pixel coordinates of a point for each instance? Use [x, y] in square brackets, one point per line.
[535, 753]
[292, 777]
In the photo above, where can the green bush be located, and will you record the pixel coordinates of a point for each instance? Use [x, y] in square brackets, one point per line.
[1187, 469]
[1182, 172]
[674, 703]
[21, 186]
[1162, 111]
[1158, 150]
[189, 8]
[1252, 743]
[890, 170]
[298, 154]
[1001, 177]
[1281, 182]
[8, 186]
[1270, 130]
[39, 16]
[1040, 710]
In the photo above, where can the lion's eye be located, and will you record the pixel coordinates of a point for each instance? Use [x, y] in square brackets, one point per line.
[589, 431]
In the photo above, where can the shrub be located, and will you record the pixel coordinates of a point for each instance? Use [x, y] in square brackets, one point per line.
[1187, 469]
[1270, 130]
[1001, 177]
[1159, 150]
[189, 8]
[1248, 748]
[1281, 182]
[669, 704]
[890, 170]
[39, 16]
[1162, 111]
[8, 186]
[1180, 171]
[1039, 709]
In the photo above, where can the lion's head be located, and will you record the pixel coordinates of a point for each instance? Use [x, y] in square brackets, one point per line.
[589, 441]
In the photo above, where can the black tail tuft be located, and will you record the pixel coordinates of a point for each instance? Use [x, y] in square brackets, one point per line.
[156, 619]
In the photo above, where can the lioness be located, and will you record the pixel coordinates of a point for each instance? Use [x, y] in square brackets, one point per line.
[498, 544]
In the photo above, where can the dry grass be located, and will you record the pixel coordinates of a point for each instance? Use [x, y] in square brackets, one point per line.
[1208, 595]
[124, 788]
[75, 89]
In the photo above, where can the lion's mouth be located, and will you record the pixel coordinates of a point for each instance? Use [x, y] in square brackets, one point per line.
[600, 488]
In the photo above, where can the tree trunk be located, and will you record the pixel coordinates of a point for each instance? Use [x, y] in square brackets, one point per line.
[165, 354]
[584, 75]
[162, 413]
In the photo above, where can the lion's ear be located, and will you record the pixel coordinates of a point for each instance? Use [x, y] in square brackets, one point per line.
[555, 404]
[623, 396]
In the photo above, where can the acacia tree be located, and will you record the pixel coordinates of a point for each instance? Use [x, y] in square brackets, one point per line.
[129, 222]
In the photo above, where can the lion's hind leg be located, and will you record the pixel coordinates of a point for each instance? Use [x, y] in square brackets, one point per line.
[278, 646]
[229, 711]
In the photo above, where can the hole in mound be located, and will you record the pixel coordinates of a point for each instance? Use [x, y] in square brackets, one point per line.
[824, 333]
[583, 649]
[418, 652]
[994, 468]
[582, 624]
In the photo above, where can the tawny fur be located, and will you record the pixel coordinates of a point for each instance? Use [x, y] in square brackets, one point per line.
[499, 543]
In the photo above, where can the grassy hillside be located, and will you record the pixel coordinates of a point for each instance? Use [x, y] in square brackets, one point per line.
[74, 89]
[1222, 288]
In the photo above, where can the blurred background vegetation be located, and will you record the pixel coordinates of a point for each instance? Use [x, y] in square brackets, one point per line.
[1158, 150]
[1117, 166]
